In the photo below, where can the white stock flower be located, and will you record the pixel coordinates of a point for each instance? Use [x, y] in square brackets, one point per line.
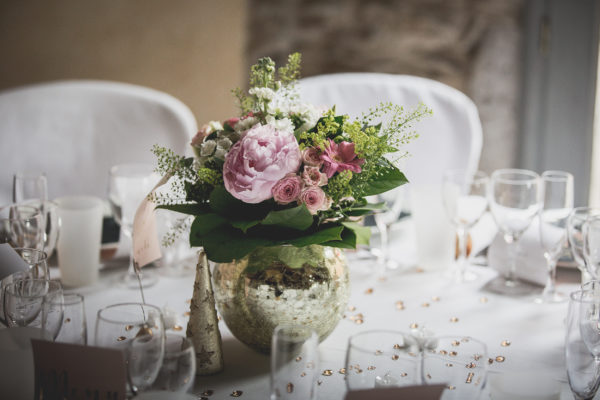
[283, 125]
[220, 153]
[262, 93]
[308, 113]
[208, 147]
[215, 126]
[224, 143]
[245, 124]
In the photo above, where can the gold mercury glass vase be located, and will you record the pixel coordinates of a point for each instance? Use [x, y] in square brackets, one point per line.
[276, 285]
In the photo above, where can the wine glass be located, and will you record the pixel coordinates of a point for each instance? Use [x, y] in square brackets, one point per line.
[137, 329]
[294, 363]
[382, 359]
[178, 367]
[384, 219]
[444, 362]
[23, 301]
[128, 185]
[514, 200]
[465, 201]
[21, 225]
[582, 344]
[557, 203]
[591, 245]
[574, 232]
[63, 317]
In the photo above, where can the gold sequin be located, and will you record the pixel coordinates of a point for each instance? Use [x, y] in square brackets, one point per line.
[435, 298]
[403, 374]
[470, 365]
[453, 353]
[299, 358]
[455, 343]
[476, 357]
[449, 365]
[450, 387]
[290, 387]
[425, 305]
[358, 321]
[303, 374]
[177, 328]
[218, 317]
[319, 383]
[428, 376]
[505, 343]
[121, 338]
[414, 325]
[470, 377]
[358, 370]
[443, 352]
[236, 393]
[128, 328]
[371, 367]
[490, 360]
[351, 308]
[369, 291]
[397, 346]
[67, 320]
[327, 372]
[464, 340]
[454, 319]
[483, 300]
[187, 314]
[342, 371]
[378, 352]
[500, 359]
[208, 392]
[395, 357]
[399, 305]
[419, 270]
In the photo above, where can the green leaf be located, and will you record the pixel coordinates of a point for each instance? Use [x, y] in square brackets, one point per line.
[225, 244]
[190, 209]
[363, 233]
[245, 225]
[296, 218]
[387, 178]
[319, 237]
[347, 240]
[203, 225]
[223, 203]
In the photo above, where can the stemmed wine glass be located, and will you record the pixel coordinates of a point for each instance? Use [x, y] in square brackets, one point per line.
[514, 199]
[137, 329]
[23, 301]
[591, 245]
[384, 219]
[575, 223]
[465, 201]
[557, 203]
[63, 317]
[128, 185]
[22, 226]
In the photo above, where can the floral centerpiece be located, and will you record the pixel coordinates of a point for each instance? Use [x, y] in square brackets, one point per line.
[270, 189]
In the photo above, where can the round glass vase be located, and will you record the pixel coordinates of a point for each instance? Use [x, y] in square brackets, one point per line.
[277, 285]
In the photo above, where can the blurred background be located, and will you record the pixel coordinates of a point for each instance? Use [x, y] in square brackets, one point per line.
[529, 65]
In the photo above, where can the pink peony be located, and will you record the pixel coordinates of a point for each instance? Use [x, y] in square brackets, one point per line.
[315, 199]
[287, 189]
[258, 161]
[340, 157]
[313, 177]
[312, 156]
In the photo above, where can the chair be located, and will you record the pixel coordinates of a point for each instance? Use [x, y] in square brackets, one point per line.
[449, 139]
[74, 131]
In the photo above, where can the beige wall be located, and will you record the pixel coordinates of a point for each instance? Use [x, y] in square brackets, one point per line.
[191, 49]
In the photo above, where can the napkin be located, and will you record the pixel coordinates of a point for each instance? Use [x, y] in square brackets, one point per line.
[530, 262]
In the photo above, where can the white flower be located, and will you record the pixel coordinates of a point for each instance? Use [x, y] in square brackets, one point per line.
[224, 143]
[215, 126]
[220, 153]
[307, 113]
[282, 125]
[208, 147]
[245, 124]
[262, 93]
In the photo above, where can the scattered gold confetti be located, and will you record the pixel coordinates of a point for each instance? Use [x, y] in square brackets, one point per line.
[382, 279]
[342, 371]
[358, 321]
[187, 314]
[236, 393]
[67, 320]
[327, 372]
[454, 319]
[453, 353]
[483, 300]
[399, 305]
[403, 374]
[397, 346]
[428, 376]
[319, 383]
[303, 374]
[464, 340]
[218, 317]
[128, 328]
[505, 343]
[425, 305]
[344, 316]
[419, 270]
[470, 365]
[369, 291]
[449, 365]
[290, 387]
[371, 367]
[358, 370]
[410, 353]
[470, 377]
[177, 328]
[500, 359]
[378, 352]
[435, 298]
[299, 358]
[121, 338]
[476, 357]
[450, 387]
[208, 392]
[490, 360]
[414, 325]
[444, 352]
[455, 343]
[351, 308]
[395, 357]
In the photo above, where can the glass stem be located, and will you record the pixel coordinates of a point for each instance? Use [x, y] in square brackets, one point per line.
[512, 242]
[461, 262]
[550, 288]
[384, 243]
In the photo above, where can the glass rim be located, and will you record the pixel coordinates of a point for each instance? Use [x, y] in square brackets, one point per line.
[577, 296]
[76, 299]
[43, 255]
[113, 306]
[376, 331]
[35, 211]
[583, 209]
[529, 176]
[557, 176]
[30, 174]
[13, 284]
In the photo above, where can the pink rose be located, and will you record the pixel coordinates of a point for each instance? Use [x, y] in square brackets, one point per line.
[258, 161]
[231, 122]
[202, 133]
[312, 156]
[315, 199]
[313, 176]
[340, 157]
[287, 189]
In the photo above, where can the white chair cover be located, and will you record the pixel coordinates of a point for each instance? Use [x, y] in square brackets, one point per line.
[74, 131]
[449, 139]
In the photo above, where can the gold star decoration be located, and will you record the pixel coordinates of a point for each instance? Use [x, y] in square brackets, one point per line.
[203, 357]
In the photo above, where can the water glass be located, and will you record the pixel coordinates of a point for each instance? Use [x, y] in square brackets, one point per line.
[178, 367]
[294, 363]
[129, 184]
[63, 317]
[591, 245]
[514, 199]
[382, 359]
[21, 225]
[23, 301]
[465, 201]
[30, 185]
[557, 203]
[575, 234]
[444, 362]
[581, 344]
[384, 220]
[138, 330]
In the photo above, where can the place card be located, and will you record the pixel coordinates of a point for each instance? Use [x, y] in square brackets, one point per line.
[10, 261]
[72, 371]
[430, 392]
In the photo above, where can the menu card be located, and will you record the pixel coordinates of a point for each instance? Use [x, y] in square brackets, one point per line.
[72, 371]
[432, 392]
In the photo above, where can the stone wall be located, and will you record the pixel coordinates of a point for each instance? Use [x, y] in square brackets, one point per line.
[472, 45]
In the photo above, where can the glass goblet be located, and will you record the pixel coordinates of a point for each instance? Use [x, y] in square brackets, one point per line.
[178, 367]
[465, 201]
[21, 225]
[138, 330]
[575, 235]
[382, 359]
[591, 245]
[557, 188]
[23, 301]
[384, 219]
[30, 185]
[64, 318]
[128, 186]
[514, 200]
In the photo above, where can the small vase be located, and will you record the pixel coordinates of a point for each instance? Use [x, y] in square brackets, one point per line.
[282, 285]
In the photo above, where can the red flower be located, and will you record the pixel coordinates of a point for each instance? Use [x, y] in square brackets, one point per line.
[340, 157]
